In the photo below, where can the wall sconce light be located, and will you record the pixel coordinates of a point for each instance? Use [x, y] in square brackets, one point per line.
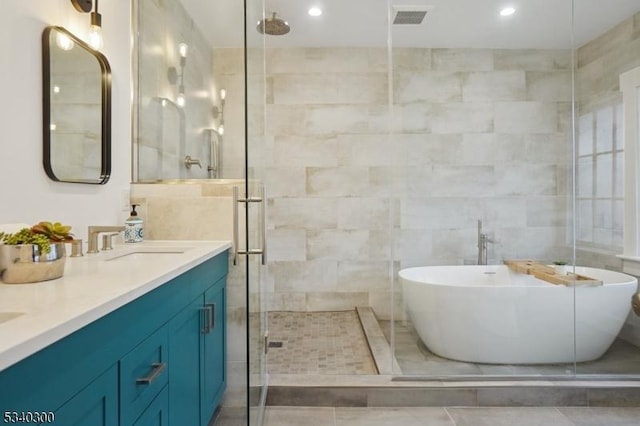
[95, 28]
[174, 77]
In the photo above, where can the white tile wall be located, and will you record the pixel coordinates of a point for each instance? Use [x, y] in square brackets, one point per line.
[478, 134]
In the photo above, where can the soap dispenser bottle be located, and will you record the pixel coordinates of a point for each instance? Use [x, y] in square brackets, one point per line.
[133, 227]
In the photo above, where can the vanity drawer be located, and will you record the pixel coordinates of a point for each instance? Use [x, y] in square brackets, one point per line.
[143, 374]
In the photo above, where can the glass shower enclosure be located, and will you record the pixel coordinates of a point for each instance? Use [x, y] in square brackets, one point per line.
[442, 135]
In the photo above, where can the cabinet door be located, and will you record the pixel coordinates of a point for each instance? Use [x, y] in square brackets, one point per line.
[95, 405]
[213, 373]
[157, 413]
[185, 349]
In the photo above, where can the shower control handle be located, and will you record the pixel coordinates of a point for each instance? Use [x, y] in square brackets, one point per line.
[188, 161]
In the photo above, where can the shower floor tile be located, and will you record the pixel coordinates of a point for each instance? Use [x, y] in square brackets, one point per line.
[318, 343]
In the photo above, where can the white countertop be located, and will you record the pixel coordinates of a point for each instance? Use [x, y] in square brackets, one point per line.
[92, 286]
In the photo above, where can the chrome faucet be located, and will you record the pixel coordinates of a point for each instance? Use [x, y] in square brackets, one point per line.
[483, 240]
[94, 231]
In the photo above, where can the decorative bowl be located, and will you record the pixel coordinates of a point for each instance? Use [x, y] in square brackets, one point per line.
[24, 263]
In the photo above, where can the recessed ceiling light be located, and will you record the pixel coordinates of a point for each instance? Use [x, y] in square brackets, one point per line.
[315, 11]
[507, 11]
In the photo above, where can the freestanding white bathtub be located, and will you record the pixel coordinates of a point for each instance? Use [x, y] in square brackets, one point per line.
[490, 314]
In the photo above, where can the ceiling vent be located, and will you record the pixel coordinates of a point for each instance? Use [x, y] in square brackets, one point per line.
[410, 15]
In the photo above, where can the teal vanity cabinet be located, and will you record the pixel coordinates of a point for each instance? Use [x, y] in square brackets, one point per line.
[157, 360]
[213, 374]
[143, 375]
[157, 412]
[97, 404]
[196, 335]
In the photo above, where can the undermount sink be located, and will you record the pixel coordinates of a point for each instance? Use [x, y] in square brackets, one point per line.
[140, 253]
[8, 316]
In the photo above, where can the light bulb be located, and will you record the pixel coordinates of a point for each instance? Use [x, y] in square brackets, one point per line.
[52, 126]
[95, 37]
[221, 130]
[95, 31]
[223, 94]
[315, 11]
[183, 49]
[64, 42]
[56, 89]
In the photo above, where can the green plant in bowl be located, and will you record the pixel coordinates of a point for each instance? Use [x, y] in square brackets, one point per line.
[41, 234]
[26, 236]
[55, 231]
[34, 254]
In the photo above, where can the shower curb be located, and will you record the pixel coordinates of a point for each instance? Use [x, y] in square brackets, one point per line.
[385, 362]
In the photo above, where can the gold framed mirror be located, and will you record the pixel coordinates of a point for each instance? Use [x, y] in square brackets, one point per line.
[76, 83]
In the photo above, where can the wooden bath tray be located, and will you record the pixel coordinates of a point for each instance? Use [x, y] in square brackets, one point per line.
[528, 266]
[548, 273]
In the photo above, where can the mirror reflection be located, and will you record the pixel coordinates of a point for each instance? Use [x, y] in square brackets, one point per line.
[76, 109]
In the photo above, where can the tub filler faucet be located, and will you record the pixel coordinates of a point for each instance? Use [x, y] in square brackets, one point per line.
[483, 241]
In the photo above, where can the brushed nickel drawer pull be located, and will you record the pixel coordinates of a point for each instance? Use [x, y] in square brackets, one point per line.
[208, 312]
[212, 315]
[158, 368]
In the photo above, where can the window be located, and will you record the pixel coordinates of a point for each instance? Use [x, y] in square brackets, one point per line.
[600, 161]
[630, 87]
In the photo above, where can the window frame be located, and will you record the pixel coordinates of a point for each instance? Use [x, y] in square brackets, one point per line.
[630, 88]
[594, 156]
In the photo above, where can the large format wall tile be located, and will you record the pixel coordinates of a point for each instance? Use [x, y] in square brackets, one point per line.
[532, 60]
[358, 187]
[494, 86]
[462, 59]
[526, 117]
[430, 86]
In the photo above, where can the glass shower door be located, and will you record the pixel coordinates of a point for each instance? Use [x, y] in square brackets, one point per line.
[255, 204]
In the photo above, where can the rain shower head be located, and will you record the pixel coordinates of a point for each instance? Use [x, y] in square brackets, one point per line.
[273, 26]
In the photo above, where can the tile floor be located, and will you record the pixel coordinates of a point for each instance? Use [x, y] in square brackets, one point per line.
[318, 343]
[415, 359]
[334, 343]
[441, 416]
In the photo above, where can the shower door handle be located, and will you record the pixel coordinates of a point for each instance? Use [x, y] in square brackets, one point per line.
[263, 224]
[235, 225]
[262, 250]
